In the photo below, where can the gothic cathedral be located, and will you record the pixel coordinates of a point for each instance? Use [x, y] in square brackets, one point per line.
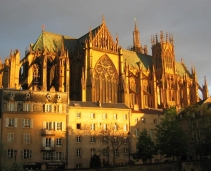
[96, 68]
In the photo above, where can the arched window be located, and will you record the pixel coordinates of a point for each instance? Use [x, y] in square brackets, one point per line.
[106, 79]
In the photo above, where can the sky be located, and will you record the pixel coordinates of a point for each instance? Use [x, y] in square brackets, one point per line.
[188, 20]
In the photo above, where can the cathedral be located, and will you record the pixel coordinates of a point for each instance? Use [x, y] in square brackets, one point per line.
[96, 68]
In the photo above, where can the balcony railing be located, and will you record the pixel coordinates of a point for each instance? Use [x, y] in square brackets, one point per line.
[48, 149]
[48, 132]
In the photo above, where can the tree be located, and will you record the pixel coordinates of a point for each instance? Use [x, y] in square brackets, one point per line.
[199, 128]
[114, 141]
[6, 164]
[145, 147]
[170, 137]
[95, 161]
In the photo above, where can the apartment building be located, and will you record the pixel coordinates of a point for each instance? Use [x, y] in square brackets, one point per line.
[98, 128]
[144, 119]
[33, 128]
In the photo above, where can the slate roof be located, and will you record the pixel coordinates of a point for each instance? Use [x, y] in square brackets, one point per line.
[149, 111]
[53, 41]
[133, 59]
[181, 69]
[95, 105]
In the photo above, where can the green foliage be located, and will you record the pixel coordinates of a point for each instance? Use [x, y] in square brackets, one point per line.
[145, 147]
[199, 117]
[170, 137]
[95, 161]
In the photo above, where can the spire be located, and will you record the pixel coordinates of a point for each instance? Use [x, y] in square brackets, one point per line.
[161, 36]
[156, 37]
[136, 40]
[103, 19]
[90, 34]
[166, 37]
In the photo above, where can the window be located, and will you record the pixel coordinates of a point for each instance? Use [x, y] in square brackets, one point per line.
[48, 108]
[125, 140]
[10, 137]
[136, 120]
[115, 127]
[26, 154]
[116, 152]
[125, 127]
[126, 152]
[105, 151]
[48, 125]
[58, 155]
[48, 142]
[26, 106]
[155, 121]
[78, 115]
[92, 151]
[125, 116]
[78, 139]
[115, 139]
[12, 107]
[58, 142]
[78, 165]
[26, 138]
[115, 116]
[92, 139]
[78, 126]
[10, 153]
[53, 156]
[54, 126]
[92, 115]
[60, 108]
[151, 132]
[92, 126]
[78, 152]
[11, 122]
[59, 125]
[27, 123]
[105, 139]
[104, 127]
[104, 116]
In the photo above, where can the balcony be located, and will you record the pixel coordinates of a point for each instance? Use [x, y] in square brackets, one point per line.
[48, 149]
[48, 132]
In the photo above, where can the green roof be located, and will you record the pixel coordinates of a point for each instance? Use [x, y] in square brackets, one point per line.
[52, 41]
[134, 59]
[182, 70]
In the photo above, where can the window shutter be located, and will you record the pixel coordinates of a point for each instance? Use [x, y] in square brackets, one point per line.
[44, 125]
[31, 123]
[15, 106]
[43, 141]
[63, 126]
[55, 127]
[6, 122]
[15, 122]
[52, 142]
[22, 123]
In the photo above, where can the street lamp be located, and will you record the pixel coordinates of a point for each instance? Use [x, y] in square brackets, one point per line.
[128, 147]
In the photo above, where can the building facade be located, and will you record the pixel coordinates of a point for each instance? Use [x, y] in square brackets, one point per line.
[98, 128]
[33, 128]
[59, 101]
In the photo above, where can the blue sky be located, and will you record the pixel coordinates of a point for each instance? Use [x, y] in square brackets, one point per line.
[188, 20]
